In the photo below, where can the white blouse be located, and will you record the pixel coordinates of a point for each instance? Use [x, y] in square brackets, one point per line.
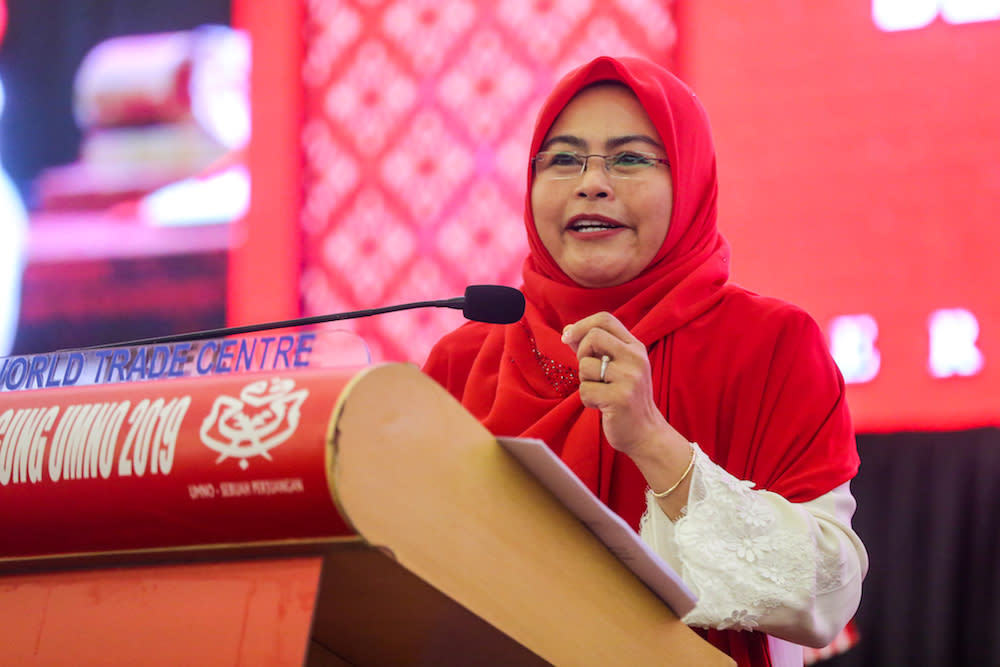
[757, 561]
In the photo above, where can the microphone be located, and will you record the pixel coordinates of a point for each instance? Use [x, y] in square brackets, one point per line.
[494, 304]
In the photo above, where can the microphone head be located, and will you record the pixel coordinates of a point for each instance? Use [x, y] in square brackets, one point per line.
[496, 304]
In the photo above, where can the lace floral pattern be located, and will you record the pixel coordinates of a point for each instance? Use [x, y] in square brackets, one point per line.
[739, 559]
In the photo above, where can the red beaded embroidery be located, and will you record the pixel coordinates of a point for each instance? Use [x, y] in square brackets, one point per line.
[562, 378]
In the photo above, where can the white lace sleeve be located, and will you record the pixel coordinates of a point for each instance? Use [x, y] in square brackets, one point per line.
[759, 562]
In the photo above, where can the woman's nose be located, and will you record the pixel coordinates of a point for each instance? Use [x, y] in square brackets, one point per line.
[594, 181]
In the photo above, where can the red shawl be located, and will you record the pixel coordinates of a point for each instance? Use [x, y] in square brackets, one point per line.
[746, 377]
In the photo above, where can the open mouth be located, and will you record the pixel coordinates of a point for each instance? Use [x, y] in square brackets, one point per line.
[587, 225]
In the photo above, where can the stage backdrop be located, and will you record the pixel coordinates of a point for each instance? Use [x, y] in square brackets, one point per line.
[417, 120]
[855, 140]
[857, 146]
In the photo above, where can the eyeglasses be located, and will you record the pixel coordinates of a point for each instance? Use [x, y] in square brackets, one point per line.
[560, 165]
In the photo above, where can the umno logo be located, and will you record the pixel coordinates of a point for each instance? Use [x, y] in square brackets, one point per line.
[265, 415]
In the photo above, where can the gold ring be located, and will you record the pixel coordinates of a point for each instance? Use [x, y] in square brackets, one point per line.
[605, 360]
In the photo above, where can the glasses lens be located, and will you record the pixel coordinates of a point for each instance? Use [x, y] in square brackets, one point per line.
[629, 164]
[559, 164]
[567, 164]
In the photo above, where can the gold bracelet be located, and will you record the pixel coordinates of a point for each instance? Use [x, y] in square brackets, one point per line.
[664, 494]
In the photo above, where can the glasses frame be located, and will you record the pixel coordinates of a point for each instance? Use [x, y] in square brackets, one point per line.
[585, 157]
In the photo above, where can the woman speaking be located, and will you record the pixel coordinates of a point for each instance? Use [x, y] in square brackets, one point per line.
[710, 418]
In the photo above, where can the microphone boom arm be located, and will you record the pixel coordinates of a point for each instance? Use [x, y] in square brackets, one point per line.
[458, 303]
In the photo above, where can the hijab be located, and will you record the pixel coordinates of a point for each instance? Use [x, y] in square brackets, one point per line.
[747, 377]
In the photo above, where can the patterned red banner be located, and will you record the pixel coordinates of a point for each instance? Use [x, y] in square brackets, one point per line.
[193, 462]
[417, 120]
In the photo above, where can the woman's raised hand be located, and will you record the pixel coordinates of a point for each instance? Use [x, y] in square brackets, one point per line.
[623, 392]
[615, 378]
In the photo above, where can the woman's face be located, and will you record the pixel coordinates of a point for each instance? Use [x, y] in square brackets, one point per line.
[603, 230]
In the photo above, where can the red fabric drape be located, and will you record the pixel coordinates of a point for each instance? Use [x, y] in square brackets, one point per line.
[747, 377]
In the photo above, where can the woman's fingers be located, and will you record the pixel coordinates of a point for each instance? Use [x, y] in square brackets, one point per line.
[601, 323]
[615, 378]
[602, 335]
[595, 369]
[602, 342]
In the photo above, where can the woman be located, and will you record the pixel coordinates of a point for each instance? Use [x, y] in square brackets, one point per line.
[711, 419]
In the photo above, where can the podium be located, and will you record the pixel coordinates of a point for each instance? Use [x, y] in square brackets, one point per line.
[345, 517]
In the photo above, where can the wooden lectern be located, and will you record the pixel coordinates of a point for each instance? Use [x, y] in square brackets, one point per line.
[310, 517]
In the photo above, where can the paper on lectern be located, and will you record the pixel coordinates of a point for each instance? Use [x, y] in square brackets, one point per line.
[607, 526]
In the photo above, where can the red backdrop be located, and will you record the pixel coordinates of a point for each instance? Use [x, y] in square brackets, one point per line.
[857, 176]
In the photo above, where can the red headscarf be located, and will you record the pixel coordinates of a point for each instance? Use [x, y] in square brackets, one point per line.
[747, 377]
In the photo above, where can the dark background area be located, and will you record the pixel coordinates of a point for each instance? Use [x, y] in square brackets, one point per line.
[929, 515]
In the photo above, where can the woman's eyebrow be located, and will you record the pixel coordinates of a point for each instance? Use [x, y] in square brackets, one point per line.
[616, 142]
[570, 139]
[613, 142]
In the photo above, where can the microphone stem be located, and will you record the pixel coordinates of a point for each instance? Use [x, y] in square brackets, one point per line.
[457, 302]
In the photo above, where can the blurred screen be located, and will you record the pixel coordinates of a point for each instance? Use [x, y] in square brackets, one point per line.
[121, 142]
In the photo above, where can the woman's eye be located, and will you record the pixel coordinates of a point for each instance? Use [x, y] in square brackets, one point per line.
[565, 159]
[629, 159]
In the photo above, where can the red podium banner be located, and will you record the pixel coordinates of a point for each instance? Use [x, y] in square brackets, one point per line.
[205, 461]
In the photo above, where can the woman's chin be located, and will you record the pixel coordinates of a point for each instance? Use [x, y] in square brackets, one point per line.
[601, 264]
[594, 277]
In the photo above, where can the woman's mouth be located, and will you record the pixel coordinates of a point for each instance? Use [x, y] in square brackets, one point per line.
[592, 225]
